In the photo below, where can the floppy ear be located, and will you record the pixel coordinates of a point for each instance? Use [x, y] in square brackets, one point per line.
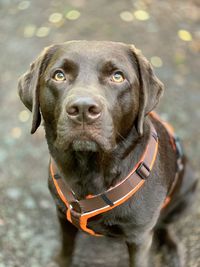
[151, 88]
[28, 88]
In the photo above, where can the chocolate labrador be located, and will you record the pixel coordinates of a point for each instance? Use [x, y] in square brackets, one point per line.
[95, 100]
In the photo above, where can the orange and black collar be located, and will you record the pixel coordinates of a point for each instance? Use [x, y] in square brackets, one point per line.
[80, 211]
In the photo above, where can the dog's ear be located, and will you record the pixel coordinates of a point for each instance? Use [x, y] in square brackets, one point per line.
[28, 88]
[29, 83]
[151, 88]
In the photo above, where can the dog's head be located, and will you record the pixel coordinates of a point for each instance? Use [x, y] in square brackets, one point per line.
[90, 94]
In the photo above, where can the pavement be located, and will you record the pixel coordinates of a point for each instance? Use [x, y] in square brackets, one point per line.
[168, 33]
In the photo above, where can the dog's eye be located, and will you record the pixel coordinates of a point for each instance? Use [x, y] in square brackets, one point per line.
[59, 76]
[118, 77]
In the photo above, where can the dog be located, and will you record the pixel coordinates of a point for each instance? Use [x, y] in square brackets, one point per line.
[95, 99]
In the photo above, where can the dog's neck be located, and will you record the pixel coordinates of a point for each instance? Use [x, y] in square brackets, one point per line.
[90, 173]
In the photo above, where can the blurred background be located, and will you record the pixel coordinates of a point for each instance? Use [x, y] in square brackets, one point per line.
[168, 33]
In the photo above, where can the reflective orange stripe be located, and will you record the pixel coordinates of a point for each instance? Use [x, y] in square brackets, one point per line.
[89, 196]
[166, 202]
[154, 156]
[58, 188]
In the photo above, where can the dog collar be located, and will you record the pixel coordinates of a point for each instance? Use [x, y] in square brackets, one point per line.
[78, 212]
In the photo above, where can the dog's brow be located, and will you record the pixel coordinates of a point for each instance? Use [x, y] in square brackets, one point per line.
[109, 66]
[68, 65]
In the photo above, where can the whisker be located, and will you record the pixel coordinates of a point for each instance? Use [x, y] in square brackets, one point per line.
[123, 139]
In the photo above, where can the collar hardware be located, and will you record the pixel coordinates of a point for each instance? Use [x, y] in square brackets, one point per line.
[107, 200]
[75, 205]
[57, 176]
[143, 171]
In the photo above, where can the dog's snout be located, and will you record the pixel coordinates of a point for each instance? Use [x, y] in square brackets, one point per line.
[84, 109]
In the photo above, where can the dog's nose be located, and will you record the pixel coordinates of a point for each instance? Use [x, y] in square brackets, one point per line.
[84, 109]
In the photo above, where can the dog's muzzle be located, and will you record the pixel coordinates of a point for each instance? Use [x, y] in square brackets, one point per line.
[84, 145]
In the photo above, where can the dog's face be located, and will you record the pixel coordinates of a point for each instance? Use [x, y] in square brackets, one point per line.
[90, 94]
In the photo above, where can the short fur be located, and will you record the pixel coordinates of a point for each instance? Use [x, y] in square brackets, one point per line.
[110, 145]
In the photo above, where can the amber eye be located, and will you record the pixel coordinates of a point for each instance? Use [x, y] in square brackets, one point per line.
[59, 76]
[118, 77]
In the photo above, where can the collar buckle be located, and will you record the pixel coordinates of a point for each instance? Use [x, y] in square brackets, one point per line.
[75, 206]
[143, 171]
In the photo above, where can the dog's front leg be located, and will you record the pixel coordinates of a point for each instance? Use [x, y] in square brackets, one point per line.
[139, 253]
[68, 235]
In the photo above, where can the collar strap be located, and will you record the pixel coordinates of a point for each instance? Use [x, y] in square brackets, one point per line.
[177, 147]
[80, 211]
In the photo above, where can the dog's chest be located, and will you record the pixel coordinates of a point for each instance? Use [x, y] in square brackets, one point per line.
[118, 223]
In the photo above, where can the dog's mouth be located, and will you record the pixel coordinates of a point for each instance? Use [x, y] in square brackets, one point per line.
[85, 145]
[83, 142]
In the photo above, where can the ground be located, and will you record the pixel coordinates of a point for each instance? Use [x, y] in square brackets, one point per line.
[168, 33]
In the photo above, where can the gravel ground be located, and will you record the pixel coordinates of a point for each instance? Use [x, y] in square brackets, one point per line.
[168, 33]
